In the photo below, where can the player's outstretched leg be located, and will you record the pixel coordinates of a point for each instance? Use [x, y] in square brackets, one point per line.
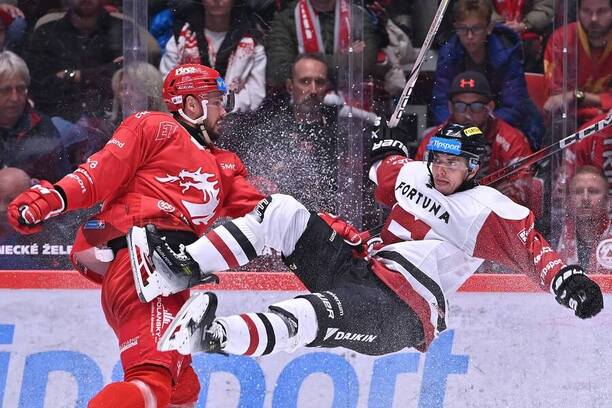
[158, 269]
[288, 325]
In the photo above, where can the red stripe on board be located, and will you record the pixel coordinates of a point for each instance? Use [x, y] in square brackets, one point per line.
[223, 249]
[267, 281]
[254, 342]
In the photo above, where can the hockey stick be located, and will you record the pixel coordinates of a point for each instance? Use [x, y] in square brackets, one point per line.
[547, 151]
[541, 154]
[416, 68]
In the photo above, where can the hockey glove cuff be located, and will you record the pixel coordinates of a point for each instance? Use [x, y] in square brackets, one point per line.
[573, 289]
[387, 141]
[33, 206]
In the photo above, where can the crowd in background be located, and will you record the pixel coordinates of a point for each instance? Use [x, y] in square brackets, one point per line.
[310, 76]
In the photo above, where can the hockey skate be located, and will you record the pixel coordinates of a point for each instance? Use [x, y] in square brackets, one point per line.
[194, 329]
[158, 270]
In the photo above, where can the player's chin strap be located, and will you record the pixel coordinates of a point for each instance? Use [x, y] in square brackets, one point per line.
[199, 123]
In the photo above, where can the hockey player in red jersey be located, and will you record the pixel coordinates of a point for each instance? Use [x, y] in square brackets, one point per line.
[441, 227]
[160, 169]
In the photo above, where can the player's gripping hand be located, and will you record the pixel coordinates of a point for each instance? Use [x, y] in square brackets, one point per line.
[577, 291]
[386, 141]
[33, 206]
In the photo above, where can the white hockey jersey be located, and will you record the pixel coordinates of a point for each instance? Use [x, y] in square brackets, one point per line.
[436, 242]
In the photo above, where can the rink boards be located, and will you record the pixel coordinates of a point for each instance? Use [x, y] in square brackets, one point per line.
[514, 347]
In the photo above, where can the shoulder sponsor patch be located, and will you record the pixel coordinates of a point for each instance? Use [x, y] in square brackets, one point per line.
[165, 130]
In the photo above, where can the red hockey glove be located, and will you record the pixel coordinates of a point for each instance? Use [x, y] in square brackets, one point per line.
[33, 206]
[577, 291]
[350, 234]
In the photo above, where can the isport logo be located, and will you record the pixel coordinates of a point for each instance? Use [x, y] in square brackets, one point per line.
[69, 378]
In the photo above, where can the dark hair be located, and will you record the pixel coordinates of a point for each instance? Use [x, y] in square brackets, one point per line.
[482, 8]
[311, 56]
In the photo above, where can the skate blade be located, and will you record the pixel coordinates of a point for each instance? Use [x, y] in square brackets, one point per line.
[142, 267]
[179, 335]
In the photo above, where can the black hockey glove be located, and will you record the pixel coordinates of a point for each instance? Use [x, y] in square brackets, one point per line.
[577, 291]
[387, 141]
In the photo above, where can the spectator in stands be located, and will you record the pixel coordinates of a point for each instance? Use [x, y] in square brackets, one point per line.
[12, 28]
[28, 138]
[13, 181]
[221, 34]
[136, 87]
[587, 236]
[532, 21]
[589, 62]
[494, 50]
[309, 26]
[595, 150]
[471, 103]
[290, 147]
[73, 59]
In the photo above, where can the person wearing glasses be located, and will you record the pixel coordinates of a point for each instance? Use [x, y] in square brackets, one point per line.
[28, 138]
[495, 51]
[471, 104]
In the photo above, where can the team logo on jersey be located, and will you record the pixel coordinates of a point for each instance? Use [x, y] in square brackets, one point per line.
[207, 183]
[604, 253]
[165, 129]
[165, 206]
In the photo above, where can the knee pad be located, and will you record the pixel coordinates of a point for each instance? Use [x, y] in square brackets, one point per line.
[278, 221]
[300, 311]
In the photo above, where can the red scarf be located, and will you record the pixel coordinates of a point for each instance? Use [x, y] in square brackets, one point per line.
[308, 29]
[511, 10]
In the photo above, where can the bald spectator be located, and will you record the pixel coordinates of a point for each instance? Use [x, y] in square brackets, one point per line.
[28, 138]
[12, 182]
[587, 236]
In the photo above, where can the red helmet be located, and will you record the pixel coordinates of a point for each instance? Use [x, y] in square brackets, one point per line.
[190, 79]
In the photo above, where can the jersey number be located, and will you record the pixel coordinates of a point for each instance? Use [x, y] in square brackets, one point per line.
[416, 228]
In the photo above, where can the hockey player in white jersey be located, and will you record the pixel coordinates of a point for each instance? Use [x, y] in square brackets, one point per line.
[441, 227]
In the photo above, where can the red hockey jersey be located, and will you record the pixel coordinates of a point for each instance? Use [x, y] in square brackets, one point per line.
[153, 171]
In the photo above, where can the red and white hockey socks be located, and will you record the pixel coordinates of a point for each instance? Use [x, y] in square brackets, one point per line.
[292, 324]
[277, 222]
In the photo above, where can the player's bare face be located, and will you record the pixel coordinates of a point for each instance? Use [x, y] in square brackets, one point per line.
[215, 114]
[449, 172]
[589, 194]
[596, 19]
